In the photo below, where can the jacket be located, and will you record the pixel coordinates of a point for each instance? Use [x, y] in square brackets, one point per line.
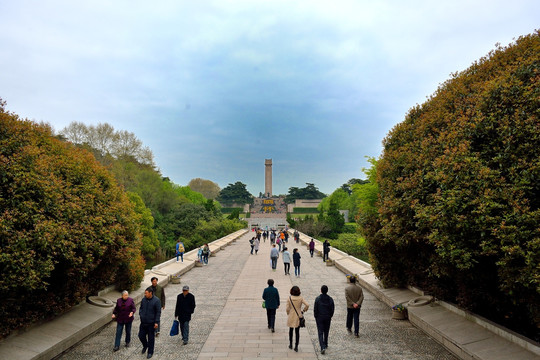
[354, 295]
[312, 245]
[122, 309]
[150, 310]
[274, 253]
[296, 259]
[324, 307]
[293, 320]
[160, 294]
[286, 256]
[185, 306]
[271, 297]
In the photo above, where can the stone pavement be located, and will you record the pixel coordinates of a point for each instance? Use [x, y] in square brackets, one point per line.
[229, 322]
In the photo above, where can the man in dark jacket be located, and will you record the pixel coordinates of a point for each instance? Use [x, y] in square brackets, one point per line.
[271, 301]
[326, 250]
[185, 306]
[323, 310]
[150, 312]
[159, 292]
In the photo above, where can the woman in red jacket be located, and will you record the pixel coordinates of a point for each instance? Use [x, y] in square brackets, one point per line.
[123, 314]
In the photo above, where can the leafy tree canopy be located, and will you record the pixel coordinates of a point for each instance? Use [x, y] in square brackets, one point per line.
[236, 193]
[309, 192]
[208, 188]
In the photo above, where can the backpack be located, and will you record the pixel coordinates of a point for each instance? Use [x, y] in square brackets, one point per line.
[181, 248]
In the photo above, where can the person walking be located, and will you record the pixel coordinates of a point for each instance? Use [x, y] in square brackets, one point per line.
[180, 250]
[274, 255]
[323, 311]
[296, 262]
[271, 302]
[252, 244]
[354, 296]
[295, 311]
[311, 247]
[287, 261]
[326, 249]
[185, 306]
[205, 253]
[160, 294]
[256, 245]
[272, 237]
[123, 314]
[150, 313]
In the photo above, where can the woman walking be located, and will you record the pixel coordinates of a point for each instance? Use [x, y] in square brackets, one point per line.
[311, 247]
[123, 314]
[296, 262]
[256, 245]
[287, 261]
[295, 311]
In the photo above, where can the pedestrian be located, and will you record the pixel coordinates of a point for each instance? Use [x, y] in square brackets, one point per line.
[282, 237]
[323, 311]
[271, 303]
[326, 250]
[287, 261]
[199, 255]
[274, 255]
[180, 250]
[296, 262]
[205, 253]
[311, 247]
[252, 244]
[296, 236]
[278, 242]
[295, 311]
[150, 313]
[160, 294]
[354, 296]
[272, 237]
[256, 245]
[123, 314]
[286, 236]
[185, 306]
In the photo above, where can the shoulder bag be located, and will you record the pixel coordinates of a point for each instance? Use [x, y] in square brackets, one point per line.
[302, 320]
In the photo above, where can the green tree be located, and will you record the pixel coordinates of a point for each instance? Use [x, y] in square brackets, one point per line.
[150, 241]
[236, 193]
[66, 228]
[309, 192]
[459, 199]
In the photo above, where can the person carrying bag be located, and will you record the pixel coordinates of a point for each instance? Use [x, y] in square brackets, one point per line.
[295, 318]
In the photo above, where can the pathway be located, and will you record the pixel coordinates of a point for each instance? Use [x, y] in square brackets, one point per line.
[229, 322]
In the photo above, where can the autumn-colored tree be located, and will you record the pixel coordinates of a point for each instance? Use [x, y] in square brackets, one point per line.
[66, 228]
[459, 198]
[208, 188]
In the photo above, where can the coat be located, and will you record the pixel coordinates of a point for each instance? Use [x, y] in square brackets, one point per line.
[271, 297]
[286, 257]
[150, 310]
[354, 295]
[160, 294]
[257, 243]
[293, 320]
[185, 306]
[324, 307]
[122, 310]
[296, 258]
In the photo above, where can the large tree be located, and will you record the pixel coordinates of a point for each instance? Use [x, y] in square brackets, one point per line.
[208, 188]
[309, 192]
[459, 199]
[236, 193]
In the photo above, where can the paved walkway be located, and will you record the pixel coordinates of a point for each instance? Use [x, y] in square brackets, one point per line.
[229, 322]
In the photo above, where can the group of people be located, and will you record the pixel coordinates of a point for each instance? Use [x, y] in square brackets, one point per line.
[323, 311]
[150, 314]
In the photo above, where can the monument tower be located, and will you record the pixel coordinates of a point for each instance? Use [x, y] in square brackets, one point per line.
[268, 177]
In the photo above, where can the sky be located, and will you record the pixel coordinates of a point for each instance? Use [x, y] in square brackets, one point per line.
[216, 87]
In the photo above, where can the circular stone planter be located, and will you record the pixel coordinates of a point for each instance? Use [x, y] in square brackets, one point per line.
[99, 301]
[399, 315]
[421, 301]
[175, 280]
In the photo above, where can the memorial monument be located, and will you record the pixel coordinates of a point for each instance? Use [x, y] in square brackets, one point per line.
[268, 178]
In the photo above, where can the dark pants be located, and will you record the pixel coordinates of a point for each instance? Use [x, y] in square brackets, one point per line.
[271, 316]
[297, 331]
[353, 314]
[274, 262]
[311, 252]
[287, 267]
[323, 328]
[325, 256]
[252, 249]
[147, 336]
[119, 329]
[184, 330]
[297, 270]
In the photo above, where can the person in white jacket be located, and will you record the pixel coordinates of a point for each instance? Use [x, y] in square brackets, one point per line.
[287, 260]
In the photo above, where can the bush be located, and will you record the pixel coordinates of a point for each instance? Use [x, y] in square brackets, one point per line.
[352, 244]
[304, 210]
[459, 180]
[66, 228]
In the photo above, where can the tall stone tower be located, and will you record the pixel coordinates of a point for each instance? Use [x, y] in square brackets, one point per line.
[268, 177]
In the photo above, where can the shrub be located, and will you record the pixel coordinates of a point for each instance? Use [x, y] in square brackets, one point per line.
[66, 228]
[459, 202]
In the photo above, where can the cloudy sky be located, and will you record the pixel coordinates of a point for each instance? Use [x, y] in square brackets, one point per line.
[216, 87]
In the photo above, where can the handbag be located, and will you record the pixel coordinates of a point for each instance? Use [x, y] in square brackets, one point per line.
[264, 304]
[175, 328]
[302, 320]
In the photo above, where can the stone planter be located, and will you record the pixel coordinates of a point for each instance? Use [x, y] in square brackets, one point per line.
[399, 315]
[198, 264]
[329, 262]
[175, 280]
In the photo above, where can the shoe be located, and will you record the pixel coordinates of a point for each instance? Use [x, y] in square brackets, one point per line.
[127, 345]
[185, 342]
[356, 335]
[269, 327]
[349, 330]
[323, 350]
[296, 348]
[144, 349]
[116, 348]
[273, 330]
[149, 356]
[290, 346]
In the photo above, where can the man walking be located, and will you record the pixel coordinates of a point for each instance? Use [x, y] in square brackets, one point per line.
[354, 296]
[271, 302]
[150, 313]
[323, 310]
[326, 249]
[185, 306]
[274, 255]
[160, 294]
